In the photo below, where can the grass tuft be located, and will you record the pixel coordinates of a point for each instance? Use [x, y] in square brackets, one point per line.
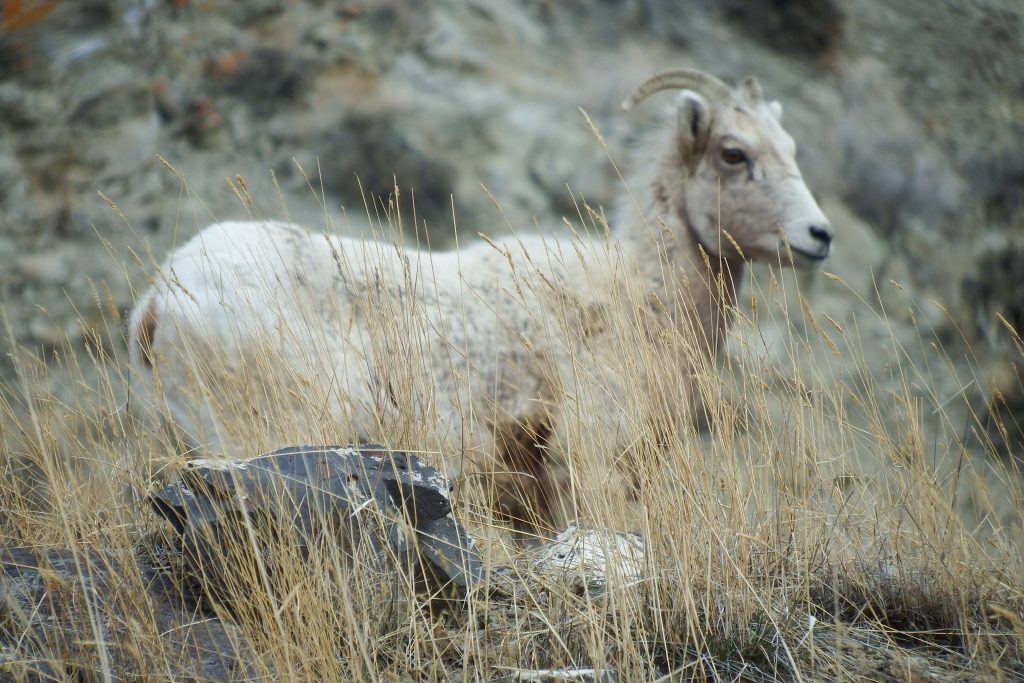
[845, 514]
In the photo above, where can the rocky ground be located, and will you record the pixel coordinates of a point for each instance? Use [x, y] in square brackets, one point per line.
[909, 120]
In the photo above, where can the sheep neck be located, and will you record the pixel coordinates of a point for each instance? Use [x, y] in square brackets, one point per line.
[694, 288]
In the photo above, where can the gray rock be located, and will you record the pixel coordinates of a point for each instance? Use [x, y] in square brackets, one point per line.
[356, 498]
[368, 153]
[110, 104]
[895, 173]
[7, 250]
[67, 614]
[50, 267]
[45, 331]
[801, 28]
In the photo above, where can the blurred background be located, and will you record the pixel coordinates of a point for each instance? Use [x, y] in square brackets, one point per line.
[909, 119]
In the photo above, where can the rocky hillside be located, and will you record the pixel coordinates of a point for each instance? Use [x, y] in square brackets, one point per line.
[910, 120]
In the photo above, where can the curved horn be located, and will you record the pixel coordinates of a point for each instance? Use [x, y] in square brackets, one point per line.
[678, 79]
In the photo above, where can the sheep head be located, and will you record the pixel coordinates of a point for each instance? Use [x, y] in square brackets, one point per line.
[730, 166]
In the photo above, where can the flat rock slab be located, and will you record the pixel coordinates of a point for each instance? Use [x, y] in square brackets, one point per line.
[365, 500]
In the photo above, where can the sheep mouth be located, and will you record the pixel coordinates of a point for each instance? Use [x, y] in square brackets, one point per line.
[813, 257]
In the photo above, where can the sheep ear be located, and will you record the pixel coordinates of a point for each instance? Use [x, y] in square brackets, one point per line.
[752, 89]
[693, 120]
[775, 107]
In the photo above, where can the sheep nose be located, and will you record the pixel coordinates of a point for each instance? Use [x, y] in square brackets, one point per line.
[822, 233]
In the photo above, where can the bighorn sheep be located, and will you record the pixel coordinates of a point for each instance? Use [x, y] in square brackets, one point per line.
[269, 322]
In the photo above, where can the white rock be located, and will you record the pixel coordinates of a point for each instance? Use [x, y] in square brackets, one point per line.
[587, 557]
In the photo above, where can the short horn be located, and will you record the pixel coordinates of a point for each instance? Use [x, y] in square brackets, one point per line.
[678, 79]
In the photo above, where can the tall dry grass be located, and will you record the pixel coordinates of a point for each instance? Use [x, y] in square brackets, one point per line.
[845, 515]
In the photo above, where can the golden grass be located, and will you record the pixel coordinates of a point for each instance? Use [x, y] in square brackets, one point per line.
[846, 516]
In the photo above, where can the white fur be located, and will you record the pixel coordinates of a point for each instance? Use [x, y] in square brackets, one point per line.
[480, 342]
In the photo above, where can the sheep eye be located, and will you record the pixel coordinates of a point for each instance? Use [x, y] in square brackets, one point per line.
[731, 155]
